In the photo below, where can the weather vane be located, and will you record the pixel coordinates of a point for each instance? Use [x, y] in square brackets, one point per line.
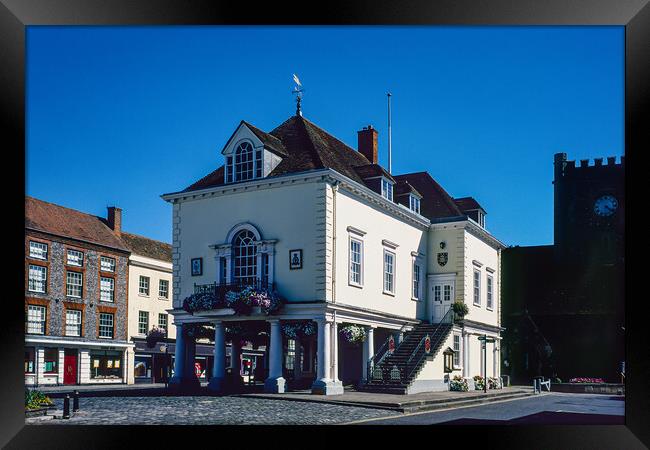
[298, 90]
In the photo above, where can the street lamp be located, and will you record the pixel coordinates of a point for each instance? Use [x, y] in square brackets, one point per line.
[485, 340]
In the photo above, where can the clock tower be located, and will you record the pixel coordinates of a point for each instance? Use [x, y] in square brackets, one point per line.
[589, 211]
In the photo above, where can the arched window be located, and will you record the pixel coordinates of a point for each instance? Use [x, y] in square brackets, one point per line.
[244, 258]
[244, 164]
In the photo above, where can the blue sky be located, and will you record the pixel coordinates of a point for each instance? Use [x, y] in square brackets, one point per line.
[120, 115]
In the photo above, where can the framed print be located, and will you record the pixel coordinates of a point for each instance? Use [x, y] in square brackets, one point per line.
[295, 259]
[197, 266]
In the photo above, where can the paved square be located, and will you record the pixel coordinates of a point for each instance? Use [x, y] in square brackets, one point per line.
[206, 411]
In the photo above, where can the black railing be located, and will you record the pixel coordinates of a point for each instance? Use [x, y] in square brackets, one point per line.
[377, 358]
[414, 362]
[219, 289]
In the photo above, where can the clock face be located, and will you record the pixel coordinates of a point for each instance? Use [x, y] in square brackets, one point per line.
[605, 205]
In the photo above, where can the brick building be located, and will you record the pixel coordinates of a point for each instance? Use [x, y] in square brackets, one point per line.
[76, 307]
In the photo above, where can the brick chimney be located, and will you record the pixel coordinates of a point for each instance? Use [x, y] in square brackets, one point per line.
[115, 219]
[368, 143]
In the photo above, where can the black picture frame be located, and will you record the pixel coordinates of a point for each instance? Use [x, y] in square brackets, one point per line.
[292, 254]
[634, 15]
[196, 267]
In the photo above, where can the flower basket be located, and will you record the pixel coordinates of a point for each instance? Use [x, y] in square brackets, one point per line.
[460, 310]
[307, 330]
[35, 400]
[250, 300]
[494, 383]
[479, 382]
[201, 302]
[353, 334]
[586, 380]
[458, 383]
[154, 335]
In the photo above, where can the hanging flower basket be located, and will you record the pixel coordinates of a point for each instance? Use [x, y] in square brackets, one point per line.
[154, 335]
[460, 310]
[353, 334]
[300, 330]
[199, 331]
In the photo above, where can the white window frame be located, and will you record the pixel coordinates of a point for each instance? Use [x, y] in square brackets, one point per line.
[160, 322]
[414, 203]
[489, 288]
[32, 316]
[257, 159]
[107, 264]
[387, 188]
[163, 293]
[386, 274]
[477, 287]
[144, 286]
[76, 262]
[33, 282]
[70, 287]
[457, 352]
[103, 324]
[416, 291]
[351, 280]
[103, 291]
[143, 324]
[38, 250]
[78, 315]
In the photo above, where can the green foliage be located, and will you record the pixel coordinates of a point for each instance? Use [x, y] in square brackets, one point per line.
[460, 309]
[36, 399]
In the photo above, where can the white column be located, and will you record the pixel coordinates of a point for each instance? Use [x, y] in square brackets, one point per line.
[324, 384]
[228, 268]
[179, 356]
[219, 365]
[368, 352]
[275, 382]
[335, 353]
[60, 365]
[217, 260]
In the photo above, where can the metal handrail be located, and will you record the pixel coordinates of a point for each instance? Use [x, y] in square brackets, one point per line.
[447, 318]
[377, 358]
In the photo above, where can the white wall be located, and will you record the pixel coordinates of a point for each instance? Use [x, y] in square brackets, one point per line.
[152, 303]
[288, 213]
[488, 256]
[378, 225]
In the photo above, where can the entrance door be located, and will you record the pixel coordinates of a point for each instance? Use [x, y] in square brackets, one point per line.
[70, 367]
[442, 294]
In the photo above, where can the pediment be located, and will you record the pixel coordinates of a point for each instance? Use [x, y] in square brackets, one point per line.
[242, 133]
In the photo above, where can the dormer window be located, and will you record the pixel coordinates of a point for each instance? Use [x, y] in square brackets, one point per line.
[387, 189]
[246, 164]
[481, 219]
[414, 203]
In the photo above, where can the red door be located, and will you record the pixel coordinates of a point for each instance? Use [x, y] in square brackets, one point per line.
[70, 367]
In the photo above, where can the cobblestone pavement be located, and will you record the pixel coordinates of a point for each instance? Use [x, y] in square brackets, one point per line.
[206, 411]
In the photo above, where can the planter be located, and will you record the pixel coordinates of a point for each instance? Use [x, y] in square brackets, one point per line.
[37, 412]
[589, 388]
[256, 310]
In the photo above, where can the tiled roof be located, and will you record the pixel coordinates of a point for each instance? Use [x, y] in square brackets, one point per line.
[150, 248]
[70, 223]
[436, 203]
[404, 187]
[467, 204]
[271, 142]
[372, 170]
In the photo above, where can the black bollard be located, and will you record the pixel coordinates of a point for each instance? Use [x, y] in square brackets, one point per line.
[66, 406]
[75, 401]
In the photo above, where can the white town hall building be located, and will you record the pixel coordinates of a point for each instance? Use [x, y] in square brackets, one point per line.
[367, 265]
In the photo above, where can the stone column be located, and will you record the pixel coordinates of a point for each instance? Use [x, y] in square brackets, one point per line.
[368, 352]
[335, 353]
[324, 384]
[275, 382]
[219, 365]
[179, 357]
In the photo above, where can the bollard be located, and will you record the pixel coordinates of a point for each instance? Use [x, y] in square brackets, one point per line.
[75, 401]
[66, 406]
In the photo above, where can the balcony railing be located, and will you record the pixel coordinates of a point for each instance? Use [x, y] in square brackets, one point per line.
[219, 289]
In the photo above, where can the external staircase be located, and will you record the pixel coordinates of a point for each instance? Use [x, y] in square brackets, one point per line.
[393, 372]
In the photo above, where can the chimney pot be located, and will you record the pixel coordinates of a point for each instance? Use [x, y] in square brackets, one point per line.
[114, 219]
[367, 143]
